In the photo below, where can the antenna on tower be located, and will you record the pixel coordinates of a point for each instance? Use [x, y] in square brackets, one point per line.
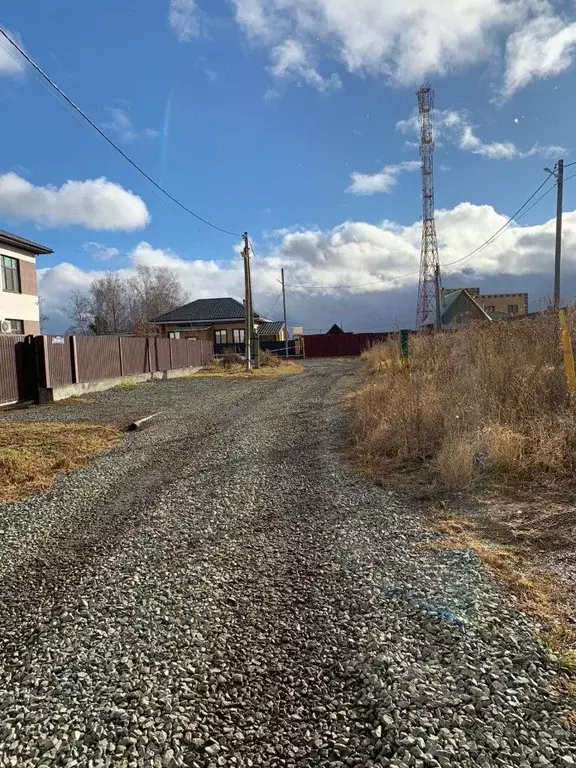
[429, 262]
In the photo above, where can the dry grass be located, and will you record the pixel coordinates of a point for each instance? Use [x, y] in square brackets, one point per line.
[489, 403]
[237, 370]
[32, 455]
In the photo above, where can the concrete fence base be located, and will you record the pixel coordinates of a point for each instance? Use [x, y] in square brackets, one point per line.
[53, 394]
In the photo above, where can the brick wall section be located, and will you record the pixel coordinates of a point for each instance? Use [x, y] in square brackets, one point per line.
[28, 282]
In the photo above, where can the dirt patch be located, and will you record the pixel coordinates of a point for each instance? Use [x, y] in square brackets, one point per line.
[32, 455]
[516, 559]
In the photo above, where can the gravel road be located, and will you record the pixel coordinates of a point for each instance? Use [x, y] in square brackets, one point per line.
[220, 591]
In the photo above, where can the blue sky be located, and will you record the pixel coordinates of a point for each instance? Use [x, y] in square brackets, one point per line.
[257, 113]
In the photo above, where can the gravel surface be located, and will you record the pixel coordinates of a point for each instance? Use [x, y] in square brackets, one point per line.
[220, 591]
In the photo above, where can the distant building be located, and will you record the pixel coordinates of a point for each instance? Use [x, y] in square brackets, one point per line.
[19, 309]
[497, 305]
[220, 320]
[459, 308]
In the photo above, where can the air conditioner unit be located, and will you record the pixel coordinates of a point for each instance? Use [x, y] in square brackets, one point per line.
[5, 326]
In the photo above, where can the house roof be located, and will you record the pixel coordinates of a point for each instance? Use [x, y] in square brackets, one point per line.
[270, 329]
[447, 302]
[206, 310]
[7, 238]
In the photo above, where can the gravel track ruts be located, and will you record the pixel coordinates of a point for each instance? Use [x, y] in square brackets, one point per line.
[221, 591]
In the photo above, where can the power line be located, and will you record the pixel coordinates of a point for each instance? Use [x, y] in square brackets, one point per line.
[269, 313]
[107, 138]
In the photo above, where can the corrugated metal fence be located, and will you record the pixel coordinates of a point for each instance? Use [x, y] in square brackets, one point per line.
[11, 368]
[340, 344]
[55, 361]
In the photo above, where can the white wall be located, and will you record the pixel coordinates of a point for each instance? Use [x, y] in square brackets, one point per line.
[18, 306]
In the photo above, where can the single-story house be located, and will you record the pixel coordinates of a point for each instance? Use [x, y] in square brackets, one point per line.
[458, 309]
[221, 321]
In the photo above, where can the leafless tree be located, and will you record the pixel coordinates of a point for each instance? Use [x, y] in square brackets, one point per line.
[80, 312]
[118, 305]
[153, 291]
[109, 302]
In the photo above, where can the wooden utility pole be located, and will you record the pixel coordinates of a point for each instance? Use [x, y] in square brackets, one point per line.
[284, 303]
[437, 296]
[558, 249]
[248, 324]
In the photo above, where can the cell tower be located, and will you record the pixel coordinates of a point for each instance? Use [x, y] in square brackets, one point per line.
[429, 262]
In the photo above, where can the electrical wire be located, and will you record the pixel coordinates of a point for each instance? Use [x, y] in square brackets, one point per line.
[107, 138]
[269, 313]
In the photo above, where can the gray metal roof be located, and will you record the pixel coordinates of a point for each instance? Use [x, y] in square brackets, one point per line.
[270, 329]
[20, 242]
[206, 310]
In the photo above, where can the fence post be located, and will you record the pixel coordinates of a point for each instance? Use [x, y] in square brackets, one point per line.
[120, 356]
[74, 359]
[148, 355]
[47, 377]
[170, 352]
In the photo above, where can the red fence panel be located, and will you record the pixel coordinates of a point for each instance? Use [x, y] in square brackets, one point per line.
[98, 357]
[340, 344]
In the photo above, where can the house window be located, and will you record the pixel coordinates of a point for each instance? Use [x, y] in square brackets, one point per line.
[238, 335]
[10, 274]
[512, 309]
[220, 337]
[489, 309]
[174, 334]
[16, 326]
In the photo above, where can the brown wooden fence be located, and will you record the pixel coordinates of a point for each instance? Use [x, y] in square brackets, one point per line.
[27, 363]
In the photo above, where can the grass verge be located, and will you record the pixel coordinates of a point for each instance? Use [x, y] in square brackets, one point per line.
[32, 455]
[237, 370]
[546, 597]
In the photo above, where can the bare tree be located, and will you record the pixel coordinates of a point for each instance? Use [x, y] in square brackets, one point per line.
[117, 305]
[80, 312]
[109, 302]
[153, 291]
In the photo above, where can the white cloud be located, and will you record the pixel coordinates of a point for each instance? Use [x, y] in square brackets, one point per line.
[183, 19]
[291, 59]
[11, 62]
[352, 266]
[407, 41]
[101, 252]
[454, 126]
[121, 125]
[542, 47]
[401, 40]
[383, 181]
[94, 203]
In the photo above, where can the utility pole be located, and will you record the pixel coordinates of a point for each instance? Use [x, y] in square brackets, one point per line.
[437, 297]
[248, 324]
[558, 249]
[284, 303]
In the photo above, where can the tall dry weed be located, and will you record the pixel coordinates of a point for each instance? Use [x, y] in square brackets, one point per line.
[487, 400]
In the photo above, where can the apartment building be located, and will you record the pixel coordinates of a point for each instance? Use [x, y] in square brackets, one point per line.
[497, 305]
[19, 310]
